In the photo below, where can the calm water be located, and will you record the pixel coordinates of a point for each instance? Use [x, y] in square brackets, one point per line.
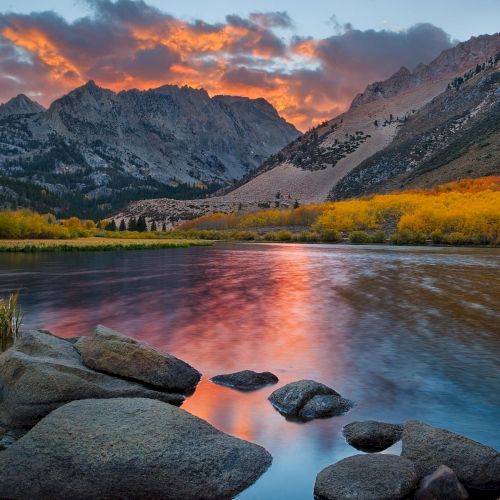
[404, 332]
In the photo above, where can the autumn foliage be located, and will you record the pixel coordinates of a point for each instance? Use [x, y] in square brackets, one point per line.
[462, 212]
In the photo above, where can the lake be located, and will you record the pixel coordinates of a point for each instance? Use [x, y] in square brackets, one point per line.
[406, 333]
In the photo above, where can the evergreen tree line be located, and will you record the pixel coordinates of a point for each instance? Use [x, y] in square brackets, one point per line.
[134, 224]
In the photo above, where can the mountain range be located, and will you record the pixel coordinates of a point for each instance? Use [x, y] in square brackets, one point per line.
[94, 149]
[437, 123]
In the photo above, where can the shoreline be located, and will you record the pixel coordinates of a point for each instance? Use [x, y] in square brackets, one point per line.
[92, 244]
[96, 244]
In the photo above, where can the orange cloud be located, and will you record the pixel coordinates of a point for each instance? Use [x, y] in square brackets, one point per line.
[128, 44]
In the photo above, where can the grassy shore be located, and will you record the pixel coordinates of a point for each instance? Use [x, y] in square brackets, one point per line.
[95, 244]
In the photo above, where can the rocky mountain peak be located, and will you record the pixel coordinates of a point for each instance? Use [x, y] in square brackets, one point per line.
[20, 105]
[450, 63]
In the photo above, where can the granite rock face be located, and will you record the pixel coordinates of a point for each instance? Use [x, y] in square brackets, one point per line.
[477, 466]
[42, 372]
[110, 352]
[372, 436]
[128, 448]
[246, 380]
[367, 477]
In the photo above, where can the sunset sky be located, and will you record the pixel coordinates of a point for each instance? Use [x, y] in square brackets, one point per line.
[307, 58]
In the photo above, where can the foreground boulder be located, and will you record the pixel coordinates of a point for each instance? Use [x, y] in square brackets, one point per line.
[42, 372]
[372, 436]
[246, 380]
[442, 484]
[367, 477]
[110, 352]
[306, 399]
[128, 448]
[477, 466]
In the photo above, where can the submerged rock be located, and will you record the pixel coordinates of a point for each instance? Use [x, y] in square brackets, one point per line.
[246, 380]
[367, 477]
[477, 466]
[128, 448]
[110, 352]
[442, 484]
[301, 400]
[42, 372]
[372, 436]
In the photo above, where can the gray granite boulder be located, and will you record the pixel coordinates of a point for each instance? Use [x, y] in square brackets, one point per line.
[110, 352]
[442, 484]
[367, 477]
[300, 400]
[128, 448]
[246, 380]
[371, 436]
[42, 372]
[477, 466]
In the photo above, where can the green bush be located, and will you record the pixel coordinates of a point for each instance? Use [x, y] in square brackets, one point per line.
[407, 237]
[329, 236]
[437, 237]
[378, 237]
[360, 237]
[243, 235]
[279, 236]
[307, 237]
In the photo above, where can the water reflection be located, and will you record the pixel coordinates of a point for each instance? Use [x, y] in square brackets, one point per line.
[406, 333]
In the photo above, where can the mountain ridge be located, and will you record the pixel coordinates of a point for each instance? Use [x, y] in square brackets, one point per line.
[312, 165]
[105, 148]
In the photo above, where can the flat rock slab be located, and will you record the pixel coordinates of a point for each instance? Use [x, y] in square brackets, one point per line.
[305, 399]
[128, 448]
[110, 352]
[367, 477]
[246, 380]
[442, 484]
[371, 436]
[477, 466]
[42, 372]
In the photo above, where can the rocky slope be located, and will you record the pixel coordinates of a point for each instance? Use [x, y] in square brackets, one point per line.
[455, 135]
[311, 166]
[96, 147]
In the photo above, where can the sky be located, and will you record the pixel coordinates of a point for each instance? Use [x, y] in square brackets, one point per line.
[308, 58]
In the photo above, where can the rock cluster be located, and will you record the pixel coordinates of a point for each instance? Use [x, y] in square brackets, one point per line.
[105, 425]
[435, 464]
[42, 372]
[103, 428]
[308, 399]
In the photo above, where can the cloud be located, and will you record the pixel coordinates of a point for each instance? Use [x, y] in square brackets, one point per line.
[128, 43]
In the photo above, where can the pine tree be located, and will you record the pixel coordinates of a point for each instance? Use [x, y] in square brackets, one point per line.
[132, 224]
[141, 224]
[111, 226]
[153, 226]
[123, 226]
[164, 227]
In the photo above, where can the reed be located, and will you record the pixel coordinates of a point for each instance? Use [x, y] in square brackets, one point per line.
[11, 318]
